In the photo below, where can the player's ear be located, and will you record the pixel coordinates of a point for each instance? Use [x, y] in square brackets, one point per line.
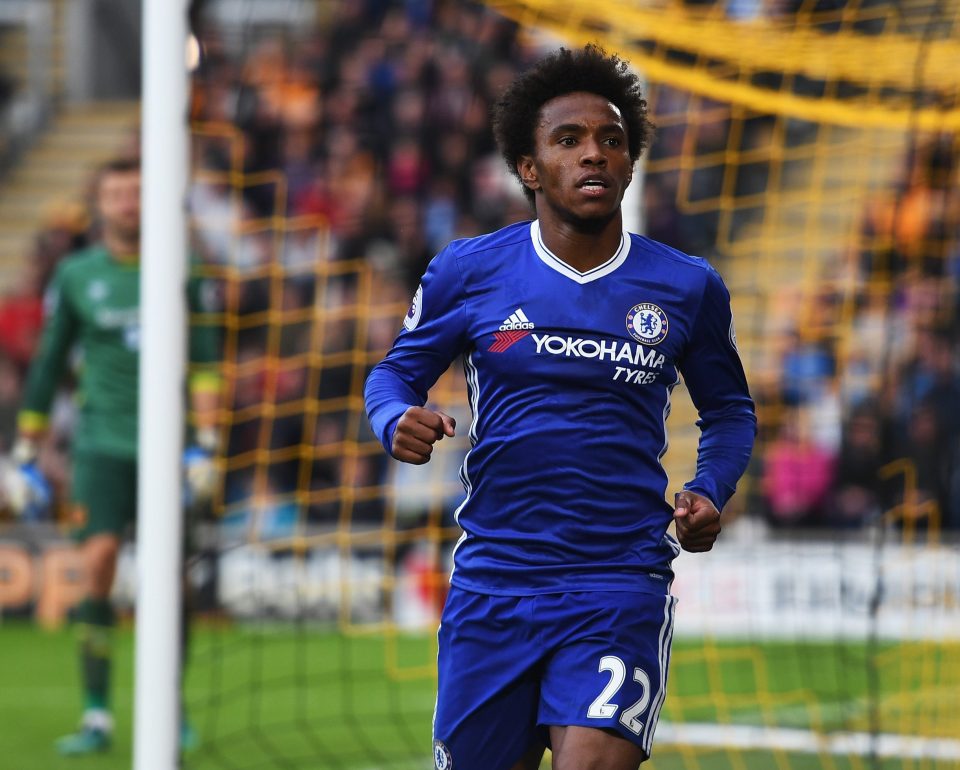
[527, 171]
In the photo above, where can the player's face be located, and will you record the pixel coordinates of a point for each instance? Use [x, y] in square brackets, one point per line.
[118, 202]
[581, 163]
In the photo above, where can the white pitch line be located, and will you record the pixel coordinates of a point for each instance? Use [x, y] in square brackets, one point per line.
[806, 741]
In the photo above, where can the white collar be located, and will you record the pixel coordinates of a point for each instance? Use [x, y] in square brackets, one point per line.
[551, 260]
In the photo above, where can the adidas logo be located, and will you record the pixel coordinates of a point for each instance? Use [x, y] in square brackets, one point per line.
[512, 330]
[517, 320]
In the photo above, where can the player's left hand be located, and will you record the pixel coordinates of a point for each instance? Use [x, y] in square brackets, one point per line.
[200, 475]
[200, 469]
[25, 491]
[697, 520]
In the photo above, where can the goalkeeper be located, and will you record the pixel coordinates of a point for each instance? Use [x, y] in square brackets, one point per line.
[92, 310]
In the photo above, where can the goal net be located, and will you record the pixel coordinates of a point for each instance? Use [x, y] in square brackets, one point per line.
[807, 149]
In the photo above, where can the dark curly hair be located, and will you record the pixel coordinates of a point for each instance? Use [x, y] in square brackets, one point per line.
[587, 69]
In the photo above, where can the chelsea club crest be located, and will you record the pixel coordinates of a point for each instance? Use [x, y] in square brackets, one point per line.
[441, 756]
[647, 323]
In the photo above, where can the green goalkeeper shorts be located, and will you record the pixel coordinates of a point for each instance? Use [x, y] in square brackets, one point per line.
[104, 495]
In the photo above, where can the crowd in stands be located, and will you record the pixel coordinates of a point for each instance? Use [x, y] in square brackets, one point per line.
[8, 89]
[379, 127]
[869, 371]
[368, 145]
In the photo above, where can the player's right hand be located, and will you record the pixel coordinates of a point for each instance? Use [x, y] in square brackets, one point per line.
[417, 431]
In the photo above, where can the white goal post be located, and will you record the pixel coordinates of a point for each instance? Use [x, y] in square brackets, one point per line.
[162, 371]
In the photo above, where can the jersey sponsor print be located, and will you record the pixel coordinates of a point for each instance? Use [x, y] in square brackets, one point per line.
[569, 376]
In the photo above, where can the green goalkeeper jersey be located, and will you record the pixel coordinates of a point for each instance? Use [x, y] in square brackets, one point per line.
[92, 310]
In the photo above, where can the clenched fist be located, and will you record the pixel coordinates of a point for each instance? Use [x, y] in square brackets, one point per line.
[417, 431]
[697, 520]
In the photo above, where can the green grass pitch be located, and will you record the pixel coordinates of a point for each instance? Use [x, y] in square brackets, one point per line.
[277, 696]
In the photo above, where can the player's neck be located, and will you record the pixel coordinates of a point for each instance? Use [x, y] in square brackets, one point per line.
[582, 245]
[122, 249]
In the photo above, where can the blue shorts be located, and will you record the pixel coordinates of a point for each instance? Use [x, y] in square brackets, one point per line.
[511, 666]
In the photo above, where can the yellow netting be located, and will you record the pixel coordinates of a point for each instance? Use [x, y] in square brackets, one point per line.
[863, 64]
[810, 153]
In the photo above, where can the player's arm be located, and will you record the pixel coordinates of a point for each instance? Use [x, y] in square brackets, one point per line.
[713, 373]
[434, 334]
[24, 489]
[47, 367]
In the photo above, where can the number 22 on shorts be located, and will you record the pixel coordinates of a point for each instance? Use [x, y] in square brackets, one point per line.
[601, 708]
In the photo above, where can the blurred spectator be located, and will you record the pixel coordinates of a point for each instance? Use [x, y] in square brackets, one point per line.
[11, 385]
[932, 462]
[797, 474]
[930, 376]
[808, 368]
[8, 88]
[858, 490]
[916, 225]
[21, 315]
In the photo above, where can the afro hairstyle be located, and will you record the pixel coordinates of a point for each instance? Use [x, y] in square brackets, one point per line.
[587, 69]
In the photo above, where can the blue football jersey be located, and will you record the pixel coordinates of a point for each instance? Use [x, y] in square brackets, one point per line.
[569, 376]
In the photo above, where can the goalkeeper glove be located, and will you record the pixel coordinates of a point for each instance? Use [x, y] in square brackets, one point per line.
[199, 468]
[28, 494]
